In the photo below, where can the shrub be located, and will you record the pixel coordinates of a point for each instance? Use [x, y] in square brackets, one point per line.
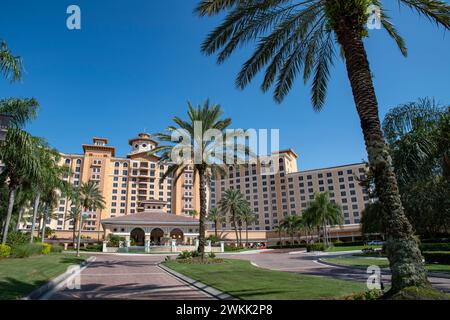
[230, 248]
[435, 247]
[195, 254]
[315, 247]
[46, 248]
[114, 240]
[367, 295]
[26, 250]
[93, 248]
[213, 239]
[17, 238]
[185, 255]
[57, 248]
[437, 257]
[212, 255]
[5, 251]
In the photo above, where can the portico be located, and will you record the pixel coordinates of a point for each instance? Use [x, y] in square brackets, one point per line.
[153, 227]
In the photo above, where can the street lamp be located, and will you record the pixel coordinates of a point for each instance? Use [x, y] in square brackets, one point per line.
[5, 120]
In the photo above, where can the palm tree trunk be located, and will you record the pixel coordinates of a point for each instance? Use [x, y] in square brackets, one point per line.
[402, 249]
[203, 205]
[233, 216]
[240, 234]
[75, 221]
[44, 217]
[12, 195]
[215, 229]
[80, 221]
[35, 212]
[19, 218]
[246, 234]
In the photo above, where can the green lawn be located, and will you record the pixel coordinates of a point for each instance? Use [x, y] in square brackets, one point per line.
[381, 262]
[19, 277]
[242, 280]
[350, 248]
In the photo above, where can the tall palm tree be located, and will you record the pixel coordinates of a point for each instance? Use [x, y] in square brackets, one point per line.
[201, 153]
[291, 224]
[46, 183]
[295, 36]
[321, 212]
[233, 202]
[216, 217]
[21, 163]
[10, 65]
[19, 149]
[247, 216]
[90, 198]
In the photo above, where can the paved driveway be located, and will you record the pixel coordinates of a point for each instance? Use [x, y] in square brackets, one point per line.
[129, 277]
[307, 263]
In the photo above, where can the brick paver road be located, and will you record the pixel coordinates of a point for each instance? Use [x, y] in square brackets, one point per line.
[129, 277]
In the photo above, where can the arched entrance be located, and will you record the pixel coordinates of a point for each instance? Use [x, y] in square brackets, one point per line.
[156, 236]
[177, 234]
[138, 236]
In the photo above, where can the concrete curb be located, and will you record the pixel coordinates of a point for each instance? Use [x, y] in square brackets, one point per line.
[55, 282]
[430, 274]
[219, 295]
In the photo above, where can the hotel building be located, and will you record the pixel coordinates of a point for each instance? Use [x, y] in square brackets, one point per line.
[273, 186]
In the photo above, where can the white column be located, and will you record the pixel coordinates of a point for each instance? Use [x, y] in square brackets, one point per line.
[222, 246]
[104, 246]
[196, 243]
[208, 246]
[173, 245]
[147, 246]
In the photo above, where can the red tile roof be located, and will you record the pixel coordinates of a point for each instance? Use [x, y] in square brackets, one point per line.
[151, 218]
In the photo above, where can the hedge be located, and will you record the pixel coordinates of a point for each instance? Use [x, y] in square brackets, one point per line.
[348, 244]
[315, 247]
[442, 257]
[435, 247]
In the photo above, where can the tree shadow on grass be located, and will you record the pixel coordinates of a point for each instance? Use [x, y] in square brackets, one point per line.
[12, 289]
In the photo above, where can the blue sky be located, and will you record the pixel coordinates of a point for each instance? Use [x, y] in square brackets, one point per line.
[135, 63]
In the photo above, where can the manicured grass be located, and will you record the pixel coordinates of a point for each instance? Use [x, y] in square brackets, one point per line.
[381, 262]
[242, 280]
[350, 248]
[19, 277]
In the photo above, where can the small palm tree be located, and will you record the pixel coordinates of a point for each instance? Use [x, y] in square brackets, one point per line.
[74, 214]
[201, 153]
[279, 229]
[233, 202]
[291, 224]
[247, 216]
[321, 212]
[216, 217]
[90, 198]
[10, 65]
[300, 38]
